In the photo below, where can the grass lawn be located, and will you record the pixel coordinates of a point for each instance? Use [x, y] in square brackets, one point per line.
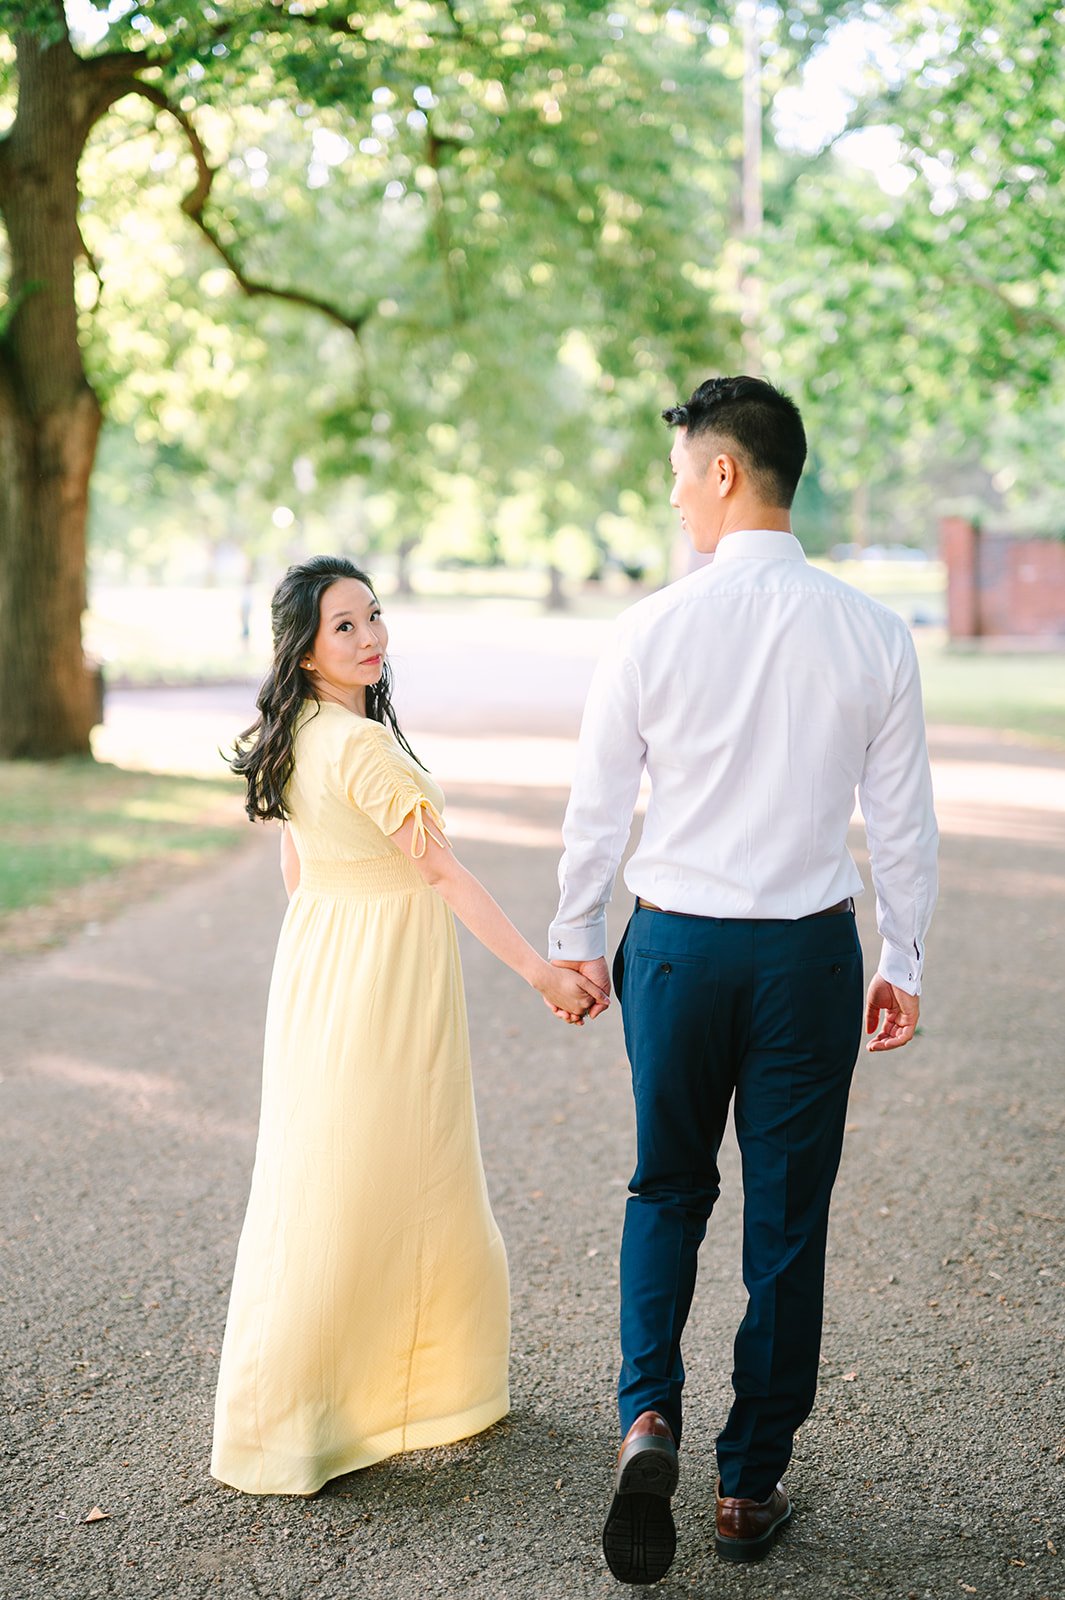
[1022, 694]
[82, 838]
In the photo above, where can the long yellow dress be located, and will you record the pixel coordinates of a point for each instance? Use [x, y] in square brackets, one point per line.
[370, 1304]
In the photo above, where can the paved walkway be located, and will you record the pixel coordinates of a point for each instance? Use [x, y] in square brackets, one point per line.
[933, 1464]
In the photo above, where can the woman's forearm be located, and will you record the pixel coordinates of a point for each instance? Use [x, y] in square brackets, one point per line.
[473, 905]
[488, 922]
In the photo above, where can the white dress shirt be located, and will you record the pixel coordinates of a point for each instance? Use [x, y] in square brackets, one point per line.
[759, 693]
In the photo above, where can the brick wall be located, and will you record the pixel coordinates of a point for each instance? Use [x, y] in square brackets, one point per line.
[998, 586]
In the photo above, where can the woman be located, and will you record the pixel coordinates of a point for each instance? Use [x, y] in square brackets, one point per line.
[369, 1311]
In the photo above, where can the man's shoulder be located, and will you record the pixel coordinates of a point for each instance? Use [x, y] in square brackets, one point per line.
[670, 597]
[828, 584]
[723, 582]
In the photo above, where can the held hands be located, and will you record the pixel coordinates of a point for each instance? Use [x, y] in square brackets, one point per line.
[593, 992]
[900, 1011]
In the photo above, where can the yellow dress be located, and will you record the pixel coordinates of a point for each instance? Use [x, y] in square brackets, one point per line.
[370, 1303]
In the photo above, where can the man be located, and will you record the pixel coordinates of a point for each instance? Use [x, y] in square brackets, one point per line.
[759, 693]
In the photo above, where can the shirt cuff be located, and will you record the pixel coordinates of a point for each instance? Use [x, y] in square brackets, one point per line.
[901, 968]
[566, 943]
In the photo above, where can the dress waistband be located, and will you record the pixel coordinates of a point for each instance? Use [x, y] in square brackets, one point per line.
[391, 874]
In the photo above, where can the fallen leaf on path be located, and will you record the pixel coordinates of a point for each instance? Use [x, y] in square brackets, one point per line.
[849, 1377]
[96, 1515]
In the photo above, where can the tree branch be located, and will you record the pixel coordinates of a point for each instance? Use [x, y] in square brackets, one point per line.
[115, 67]
[320, 19]
[101, 80]
[120, 63]
[456, 20]
[433, 147]
[1023, 318]
[194, 206]
[90, 261]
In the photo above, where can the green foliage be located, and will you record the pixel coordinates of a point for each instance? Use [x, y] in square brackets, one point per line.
[43, 18]
[532, 213]
[526, 205]
[929, 323]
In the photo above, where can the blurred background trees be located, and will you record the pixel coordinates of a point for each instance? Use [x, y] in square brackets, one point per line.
[415, 280]
[916, 270]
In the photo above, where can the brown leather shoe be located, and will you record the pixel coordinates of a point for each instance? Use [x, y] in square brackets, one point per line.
[747, 1528]
[639, 1538]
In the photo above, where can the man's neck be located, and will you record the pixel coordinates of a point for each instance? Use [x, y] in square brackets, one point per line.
[776, 518]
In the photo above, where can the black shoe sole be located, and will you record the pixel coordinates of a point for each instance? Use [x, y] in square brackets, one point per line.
[750, 1549]
[639, 1537]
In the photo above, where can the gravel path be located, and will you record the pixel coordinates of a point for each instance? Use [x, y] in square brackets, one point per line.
[932, 1466]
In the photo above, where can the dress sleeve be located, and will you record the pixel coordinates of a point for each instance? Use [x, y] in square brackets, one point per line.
[377, 778]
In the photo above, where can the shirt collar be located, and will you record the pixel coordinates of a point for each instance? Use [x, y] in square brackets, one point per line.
[770, 544]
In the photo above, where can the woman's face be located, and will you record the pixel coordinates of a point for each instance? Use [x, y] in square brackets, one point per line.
[348, 652]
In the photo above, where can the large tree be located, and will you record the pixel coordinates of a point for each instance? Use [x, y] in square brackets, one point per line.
[506, 175]
[488, 220]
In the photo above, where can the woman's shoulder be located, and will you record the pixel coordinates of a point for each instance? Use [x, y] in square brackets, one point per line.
[340, 739]
[335, 726]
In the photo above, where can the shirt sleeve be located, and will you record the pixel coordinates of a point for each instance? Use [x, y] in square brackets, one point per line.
[610, 760]
[376, 778]
[895, 794]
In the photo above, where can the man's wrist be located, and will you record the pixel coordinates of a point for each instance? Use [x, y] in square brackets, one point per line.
[900, 969]
[577, 944]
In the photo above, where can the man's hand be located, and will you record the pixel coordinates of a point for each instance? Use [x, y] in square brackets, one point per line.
[900, 1011]
[568, 993]
[596, 972]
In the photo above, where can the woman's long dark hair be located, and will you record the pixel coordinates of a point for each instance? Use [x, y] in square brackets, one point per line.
[264, 752]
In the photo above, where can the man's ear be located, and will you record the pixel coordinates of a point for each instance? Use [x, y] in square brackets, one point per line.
[722, 474]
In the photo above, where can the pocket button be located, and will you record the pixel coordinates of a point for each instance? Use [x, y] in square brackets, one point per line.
[665, 967]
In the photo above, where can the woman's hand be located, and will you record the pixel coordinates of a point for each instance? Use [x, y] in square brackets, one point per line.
[569, 994]
[597, 973]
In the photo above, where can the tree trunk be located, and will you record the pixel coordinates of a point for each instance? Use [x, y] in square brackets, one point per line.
[49, 417]
[555, 598]
[46, 698]
[404, 550]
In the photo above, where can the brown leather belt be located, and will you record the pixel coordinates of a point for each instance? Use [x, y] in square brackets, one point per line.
[829, 911]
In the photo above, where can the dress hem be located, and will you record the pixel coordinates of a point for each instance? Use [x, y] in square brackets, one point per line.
[253, 1472]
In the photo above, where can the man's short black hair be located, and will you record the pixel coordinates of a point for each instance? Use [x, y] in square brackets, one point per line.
[761, 422]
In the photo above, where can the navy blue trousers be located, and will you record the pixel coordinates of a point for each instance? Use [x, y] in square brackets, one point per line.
[768, 1015]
